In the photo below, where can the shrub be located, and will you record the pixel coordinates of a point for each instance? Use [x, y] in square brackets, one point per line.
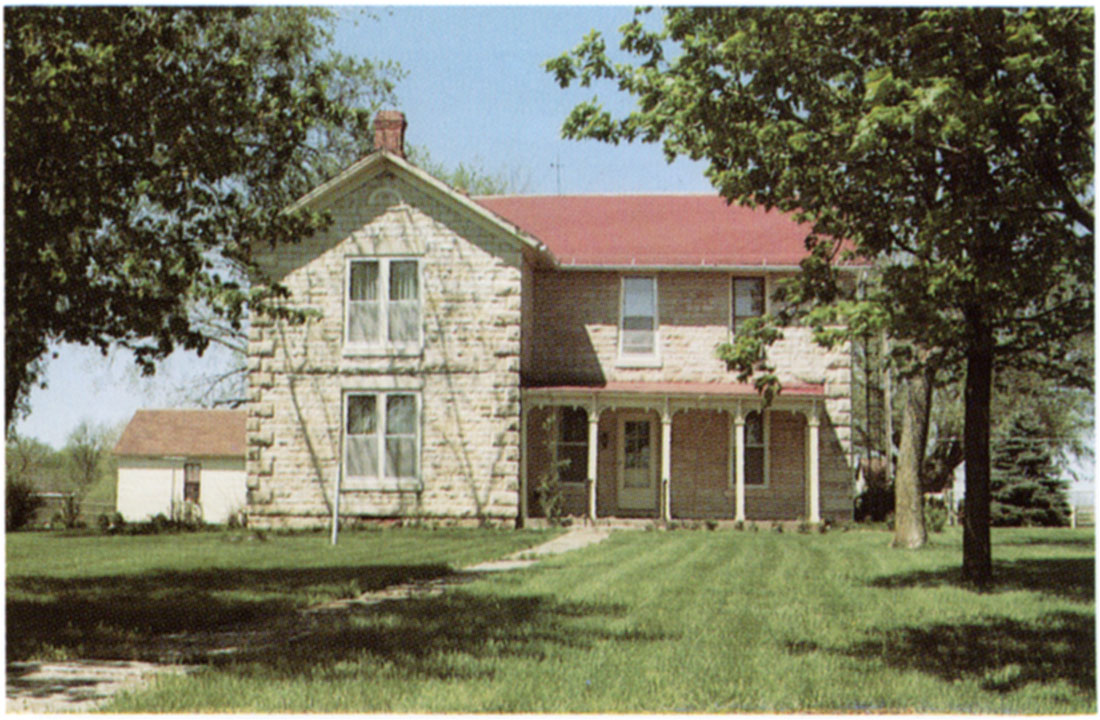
[935, 514]
[712, 524]
[874, 504]
[22, 503]
[70, 512]
[103, 523]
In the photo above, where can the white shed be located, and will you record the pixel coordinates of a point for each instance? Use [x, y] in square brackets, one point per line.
[174, 461]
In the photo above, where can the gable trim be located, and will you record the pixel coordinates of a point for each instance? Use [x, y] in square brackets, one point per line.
[380, 160]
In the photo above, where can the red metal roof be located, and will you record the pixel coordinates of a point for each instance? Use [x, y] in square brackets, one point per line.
[654, 230]
[683, 388]
[193, 433]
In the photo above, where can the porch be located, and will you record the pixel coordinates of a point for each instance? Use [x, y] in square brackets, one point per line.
[670, 451]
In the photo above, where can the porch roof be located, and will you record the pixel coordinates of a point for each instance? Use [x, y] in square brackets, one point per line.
[678, 389]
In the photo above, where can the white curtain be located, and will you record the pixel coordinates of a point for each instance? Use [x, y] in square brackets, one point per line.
[401, 436]
[361, 437]
[404, 305]
[363, 303]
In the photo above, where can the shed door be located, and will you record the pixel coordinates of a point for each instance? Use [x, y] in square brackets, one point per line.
[637, 463]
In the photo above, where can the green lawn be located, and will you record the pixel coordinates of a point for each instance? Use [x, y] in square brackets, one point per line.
[684, 621]
[101, 596]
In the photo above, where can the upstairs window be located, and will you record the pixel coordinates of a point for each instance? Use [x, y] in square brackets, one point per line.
[638, 318]
[383, 304]
[748, 301]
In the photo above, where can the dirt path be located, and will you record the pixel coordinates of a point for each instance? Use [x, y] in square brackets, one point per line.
[84, 685]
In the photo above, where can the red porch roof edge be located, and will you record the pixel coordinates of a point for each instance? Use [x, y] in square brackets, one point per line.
[682, 388]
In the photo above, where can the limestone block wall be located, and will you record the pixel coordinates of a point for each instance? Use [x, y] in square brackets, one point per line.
[466, 375]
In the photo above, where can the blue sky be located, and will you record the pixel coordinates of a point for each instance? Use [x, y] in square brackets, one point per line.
[475, 91]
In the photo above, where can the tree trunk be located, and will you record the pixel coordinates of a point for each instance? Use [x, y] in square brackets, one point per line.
[909, 532]
[977, 551]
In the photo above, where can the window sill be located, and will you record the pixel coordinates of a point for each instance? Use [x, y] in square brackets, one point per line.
[638, 362]
[381, 485]
[370, 351]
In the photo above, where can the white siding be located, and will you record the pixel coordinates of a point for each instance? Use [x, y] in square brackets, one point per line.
[148, 486]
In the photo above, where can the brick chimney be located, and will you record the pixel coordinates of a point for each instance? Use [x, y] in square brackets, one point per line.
[389, 132]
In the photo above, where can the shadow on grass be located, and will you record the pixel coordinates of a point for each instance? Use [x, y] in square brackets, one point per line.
[1073, 578]
[457, 635]
[113, 616]
[1002, 653]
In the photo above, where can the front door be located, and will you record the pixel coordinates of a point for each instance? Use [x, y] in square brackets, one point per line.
[637, 463]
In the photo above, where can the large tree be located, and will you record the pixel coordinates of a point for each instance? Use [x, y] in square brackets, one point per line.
[147, 149]
[952, 146]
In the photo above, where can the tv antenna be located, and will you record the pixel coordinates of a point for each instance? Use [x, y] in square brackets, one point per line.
[557, 167]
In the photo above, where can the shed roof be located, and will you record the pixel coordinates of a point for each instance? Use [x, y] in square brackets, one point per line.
[189, 433]
[655, 230]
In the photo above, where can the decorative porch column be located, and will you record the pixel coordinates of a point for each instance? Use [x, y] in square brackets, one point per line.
[523, 465]
[813, 423]
[666, 465]
[739, 465]
[593, 457]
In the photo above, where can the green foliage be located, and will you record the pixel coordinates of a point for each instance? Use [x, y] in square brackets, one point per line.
[1025, 485]
[148, 151]
[950, 147]
[935, 514]
[548, 486]
[35, 463]
[68, 516]
[87, 452]
[20, 503]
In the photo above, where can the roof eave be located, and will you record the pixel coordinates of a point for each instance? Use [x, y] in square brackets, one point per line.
[716, 267]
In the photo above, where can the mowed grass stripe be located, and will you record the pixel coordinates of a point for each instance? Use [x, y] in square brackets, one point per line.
[697, 621]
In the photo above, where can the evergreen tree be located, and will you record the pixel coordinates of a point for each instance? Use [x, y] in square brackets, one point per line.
[1025, 486]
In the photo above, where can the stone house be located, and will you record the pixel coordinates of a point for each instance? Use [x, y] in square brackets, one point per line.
[461, 351]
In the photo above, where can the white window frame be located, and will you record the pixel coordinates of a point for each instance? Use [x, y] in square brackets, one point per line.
[733, 299]
[765, 418]
[383, 346]
[380, 481]
[639, 360]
